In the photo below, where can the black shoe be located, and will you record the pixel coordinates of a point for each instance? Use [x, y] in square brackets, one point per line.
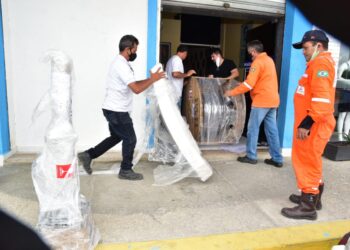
[273, 163]
[129, 175]
[262, 144]
[245, 159]
[296, 198]
[85, 160]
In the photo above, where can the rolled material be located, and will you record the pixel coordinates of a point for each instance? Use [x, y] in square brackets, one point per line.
[213, 118]
[179, 131]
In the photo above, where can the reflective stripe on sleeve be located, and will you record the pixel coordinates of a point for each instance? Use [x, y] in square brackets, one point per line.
[247, 85]
[325, 100]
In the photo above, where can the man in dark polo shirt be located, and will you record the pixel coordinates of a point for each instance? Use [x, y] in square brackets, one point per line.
[222, 67]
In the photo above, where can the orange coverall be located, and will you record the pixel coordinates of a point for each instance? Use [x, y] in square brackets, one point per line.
[314, 97]
[261, 82]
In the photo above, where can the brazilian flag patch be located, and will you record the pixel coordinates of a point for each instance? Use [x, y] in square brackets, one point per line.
[322, 73]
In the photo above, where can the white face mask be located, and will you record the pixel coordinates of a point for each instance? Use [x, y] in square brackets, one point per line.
[316, 52]
[217, 62]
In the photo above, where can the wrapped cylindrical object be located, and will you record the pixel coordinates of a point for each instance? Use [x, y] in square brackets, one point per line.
[213, 118]
[55, 172]
[171, 138]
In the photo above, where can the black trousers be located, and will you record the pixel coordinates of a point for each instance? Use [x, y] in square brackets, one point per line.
[121, 129]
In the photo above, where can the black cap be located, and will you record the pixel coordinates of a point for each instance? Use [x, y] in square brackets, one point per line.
[312, 35]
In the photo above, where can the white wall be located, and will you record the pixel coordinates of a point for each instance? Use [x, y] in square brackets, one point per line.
[87, 30]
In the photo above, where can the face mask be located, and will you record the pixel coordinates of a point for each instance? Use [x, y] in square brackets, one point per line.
[316, 52]
[132, 57]
[217, 62]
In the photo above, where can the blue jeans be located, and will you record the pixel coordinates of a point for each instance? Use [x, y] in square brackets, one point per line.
[268, 115]
[122, 129]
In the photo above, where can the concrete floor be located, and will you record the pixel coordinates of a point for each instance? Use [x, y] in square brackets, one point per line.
[237, 198]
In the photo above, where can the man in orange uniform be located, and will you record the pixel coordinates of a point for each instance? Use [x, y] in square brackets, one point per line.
[262, 84]
[313, 124]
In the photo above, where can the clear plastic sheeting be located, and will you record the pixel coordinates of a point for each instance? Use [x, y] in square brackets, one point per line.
[169, 139]
[164, 147]
[166, 175]
[81, 236]
[213, 118]
[64, 215]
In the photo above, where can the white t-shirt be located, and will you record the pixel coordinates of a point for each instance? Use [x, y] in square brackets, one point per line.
[174, 64]
[118, 95]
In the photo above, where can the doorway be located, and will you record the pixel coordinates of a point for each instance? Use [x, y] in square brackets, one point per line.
[229, 32]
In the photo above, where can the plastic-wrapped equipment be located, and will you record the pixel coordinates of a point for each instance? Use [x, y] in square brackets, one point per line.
[169, 139]
[164, 148]
[214, 119]
[55, 172]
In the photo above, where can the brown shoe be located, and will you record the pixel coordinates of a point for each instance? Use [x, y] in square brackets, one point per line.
[305, 210]
[296, 198]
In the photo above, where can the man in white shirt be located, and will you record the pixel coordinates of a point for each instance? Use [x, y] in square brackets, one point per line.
[120, 86]
[175, 71]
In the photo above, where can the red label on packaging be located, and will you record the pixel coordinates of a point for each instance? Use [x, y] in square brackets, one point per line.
[64, 171]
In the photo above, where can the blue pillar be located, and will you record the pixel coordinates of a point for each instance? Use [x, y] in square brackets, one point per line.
[293, 67]
[4, 125]
[152, 31]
